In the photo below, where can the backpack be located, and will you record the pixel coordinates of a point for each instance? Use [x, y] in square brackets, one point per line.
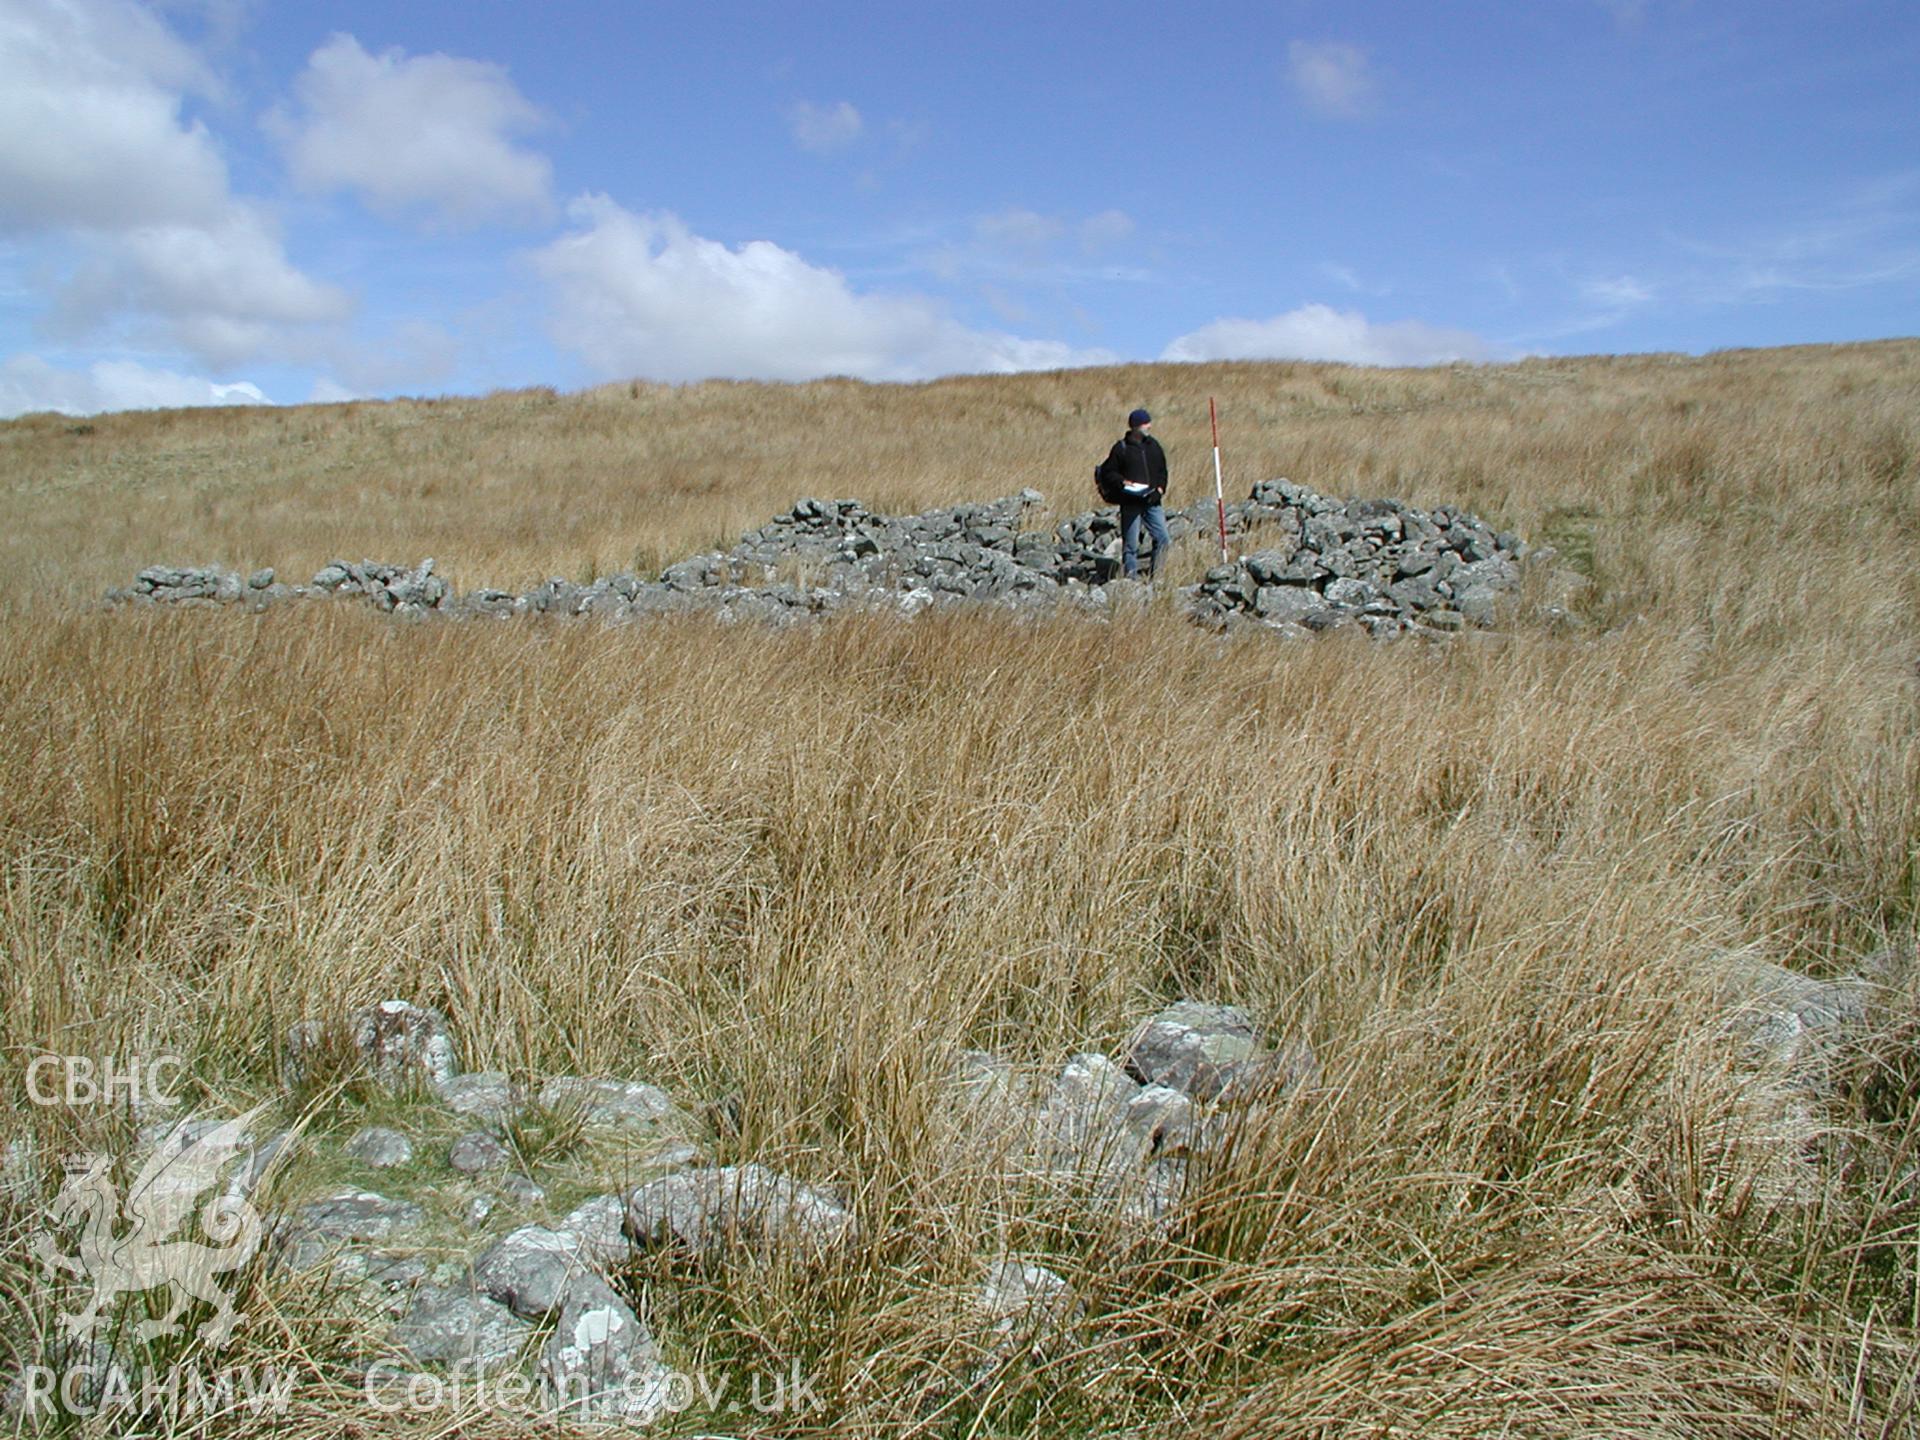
[1107, 481]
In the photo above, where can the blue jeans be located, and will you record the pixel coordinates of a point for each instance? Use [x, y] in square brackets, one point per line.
[1130, 518]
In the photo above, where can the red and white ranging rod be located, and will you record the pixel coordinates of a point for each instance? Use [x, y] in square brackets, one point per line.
[1219, 493]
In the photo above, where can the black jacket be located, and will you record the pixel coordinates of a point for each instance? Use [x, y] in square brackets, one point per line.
[1139, 458]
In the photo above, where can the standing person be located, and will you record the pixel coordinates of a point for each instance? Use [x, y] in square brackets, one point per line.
[1140, 467]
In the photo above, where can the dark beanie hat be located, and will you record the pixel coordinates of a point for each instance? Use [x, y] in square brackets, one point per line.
[1138, 418]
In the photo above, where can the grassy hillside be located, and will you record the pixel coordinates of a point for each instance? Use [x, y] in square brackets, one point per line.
[1627, 455]
[1538, 1189]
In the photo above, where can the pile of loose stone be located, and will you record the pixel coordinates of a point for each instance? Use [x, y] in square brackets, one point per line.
[527, 1293]
[1382, 564]
[1116, 1136]
[1318, 564]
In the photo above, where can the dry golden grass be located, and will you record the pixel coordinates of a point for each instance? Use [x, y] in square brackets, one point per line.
[512, 488]
[1495, 883]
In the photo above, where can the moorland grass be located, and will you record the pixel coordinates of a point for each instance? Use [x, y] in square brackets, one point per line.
[1537, 1188]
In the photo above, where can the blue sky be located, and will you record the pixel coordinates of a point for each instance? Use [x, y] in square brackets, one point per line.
[231, 199]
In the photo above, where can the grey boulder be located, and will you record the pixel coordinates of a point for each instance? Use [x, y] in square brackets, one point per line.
[598, 1228]
[601, 1362]
[602, 1101]
[396, 1041]
[478, 1150]
[1083, 1123]
[530, 1270]
[379, 1147]
[1193, 1047]
[453, 1326]
[704, 1210]
[343, 1222]
[1019, 1298]
[1788, 1020]
[485, 1095]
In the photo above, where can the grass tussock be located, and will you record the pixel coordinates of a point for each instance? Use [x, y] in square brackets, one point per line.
[1537, 1187]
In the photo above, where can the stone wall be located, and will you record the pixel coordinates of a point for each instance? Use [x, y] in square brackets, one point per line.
[1315, 564]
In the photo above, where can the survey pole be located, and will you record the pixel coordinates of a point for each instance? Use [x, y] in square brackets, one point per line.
[1219, 491]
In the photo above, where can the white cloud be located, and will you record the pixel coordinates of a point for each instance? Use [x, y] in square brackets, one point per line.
[125, 203]
[1860, 236]
[328, 391]
[1320, 332]
[1332, 78]
[28, 383]
[1618, 292]
[1008, 307]
[413, 353]
[1105, 230]
[643, 295]
[91, 132]
[429, 133]
[1028, 235]
[224, 292]
[1019, 245]
[1018, 230]
[822, 129]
